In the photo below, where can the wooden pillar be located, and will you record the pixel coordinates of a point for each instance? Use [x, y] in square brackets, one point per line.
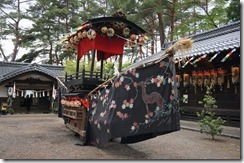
[101, 71]
[93, 62]
[77, 66]
[120, 62]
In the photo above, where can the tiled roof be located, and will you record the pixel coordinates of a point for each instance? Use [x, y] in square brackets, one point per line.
[9, 70]
[212, 41]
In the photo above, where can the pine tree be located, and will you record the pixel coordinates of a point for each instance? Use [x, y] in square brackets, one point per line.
[208, 123]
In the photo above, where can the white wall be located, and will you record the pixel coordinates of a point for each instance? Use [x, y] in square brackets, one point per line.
[3, 91]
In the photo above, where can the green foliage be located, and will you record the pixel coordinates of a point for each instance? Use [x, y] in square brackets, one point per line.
[70, 67]
[126, 64]
[53, 19]
[208, 123]
[234, 11]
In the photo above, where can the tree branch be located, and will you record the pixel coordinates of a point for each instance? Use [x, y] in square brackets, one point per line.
[8, 15]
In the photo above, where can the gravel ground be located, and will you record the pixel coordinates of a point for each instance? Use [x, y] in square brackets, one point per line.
[44, 136]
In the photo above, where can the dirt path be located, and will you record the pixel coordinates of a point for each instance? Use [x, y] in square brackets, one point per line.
[44, 136]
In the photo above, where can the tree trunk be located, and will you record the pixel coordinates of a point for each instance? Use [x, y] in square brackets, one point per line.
[152, 25]
[161, 29]
[172, 21]
[2, 53]
[51, 53]
[16, 43]
[56, 55]
[67, 18]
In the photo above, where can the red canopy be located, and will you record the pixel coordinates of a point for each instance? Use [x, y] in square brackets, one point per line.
[109, 46]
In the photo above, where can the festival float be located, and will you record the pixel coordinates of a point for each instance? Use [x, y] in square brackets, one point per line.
[136, 103]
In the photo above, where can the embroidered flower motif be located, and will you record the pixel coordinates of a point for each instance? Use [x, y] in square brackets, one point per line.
[121, 79]
[120, 114]
[135, 84]
[137, 75]
[155, 80]
[161, 65]
[127, 87]
[171, 97]
[123, 106]
[102, 113]
[131, 100]
[146, 121]
[112, 105]
[135, 124]
[157, 108]
[169, 80]
[158, 77]
[117, 84]
[151, 114]
[146, 116]
[125, 115]
[133, 128]
[158, 84]
[98, 126]
[125, 101]
[106, 92]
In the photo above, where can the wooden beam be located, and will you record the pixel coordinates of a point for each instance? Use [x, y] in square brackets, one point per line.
[77, 65]
[93, 62]
[101, 71]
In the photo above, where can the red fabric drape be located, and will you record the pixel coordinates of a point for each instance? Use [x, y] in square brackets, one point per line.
[110, 46]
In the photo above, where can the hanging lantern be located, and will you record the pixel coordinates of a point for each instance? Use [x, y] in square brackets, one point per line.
[84, 34]
[133, 37]
[206, 78]
[178, 80]
[91, 34]
[104, 30]
[200, 79]
[76, 39]
[80, 36]
[73, 46]
[194, 78]
[71, 40]
[186, 78]
[141, 40]
[235, 73]
[126, 32]
[213, 77]
[221, 77]
[110, 32]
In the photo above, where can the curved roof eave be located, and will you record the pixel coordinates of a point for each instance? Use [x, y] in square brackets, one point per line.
[112, 18]
[26, 69]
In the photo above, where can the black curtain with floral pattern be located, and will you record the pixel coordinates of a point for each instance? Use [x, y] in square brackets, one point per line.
[137, 105]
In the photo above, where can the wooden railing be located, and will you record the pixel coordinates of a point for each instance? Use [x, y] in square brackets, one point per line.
[86, 75]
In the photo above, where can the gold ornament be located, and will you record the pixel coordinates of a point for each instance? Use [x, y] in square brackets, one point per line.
[104, 30]
[126, 32]
[91, 34]
[110, 32]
